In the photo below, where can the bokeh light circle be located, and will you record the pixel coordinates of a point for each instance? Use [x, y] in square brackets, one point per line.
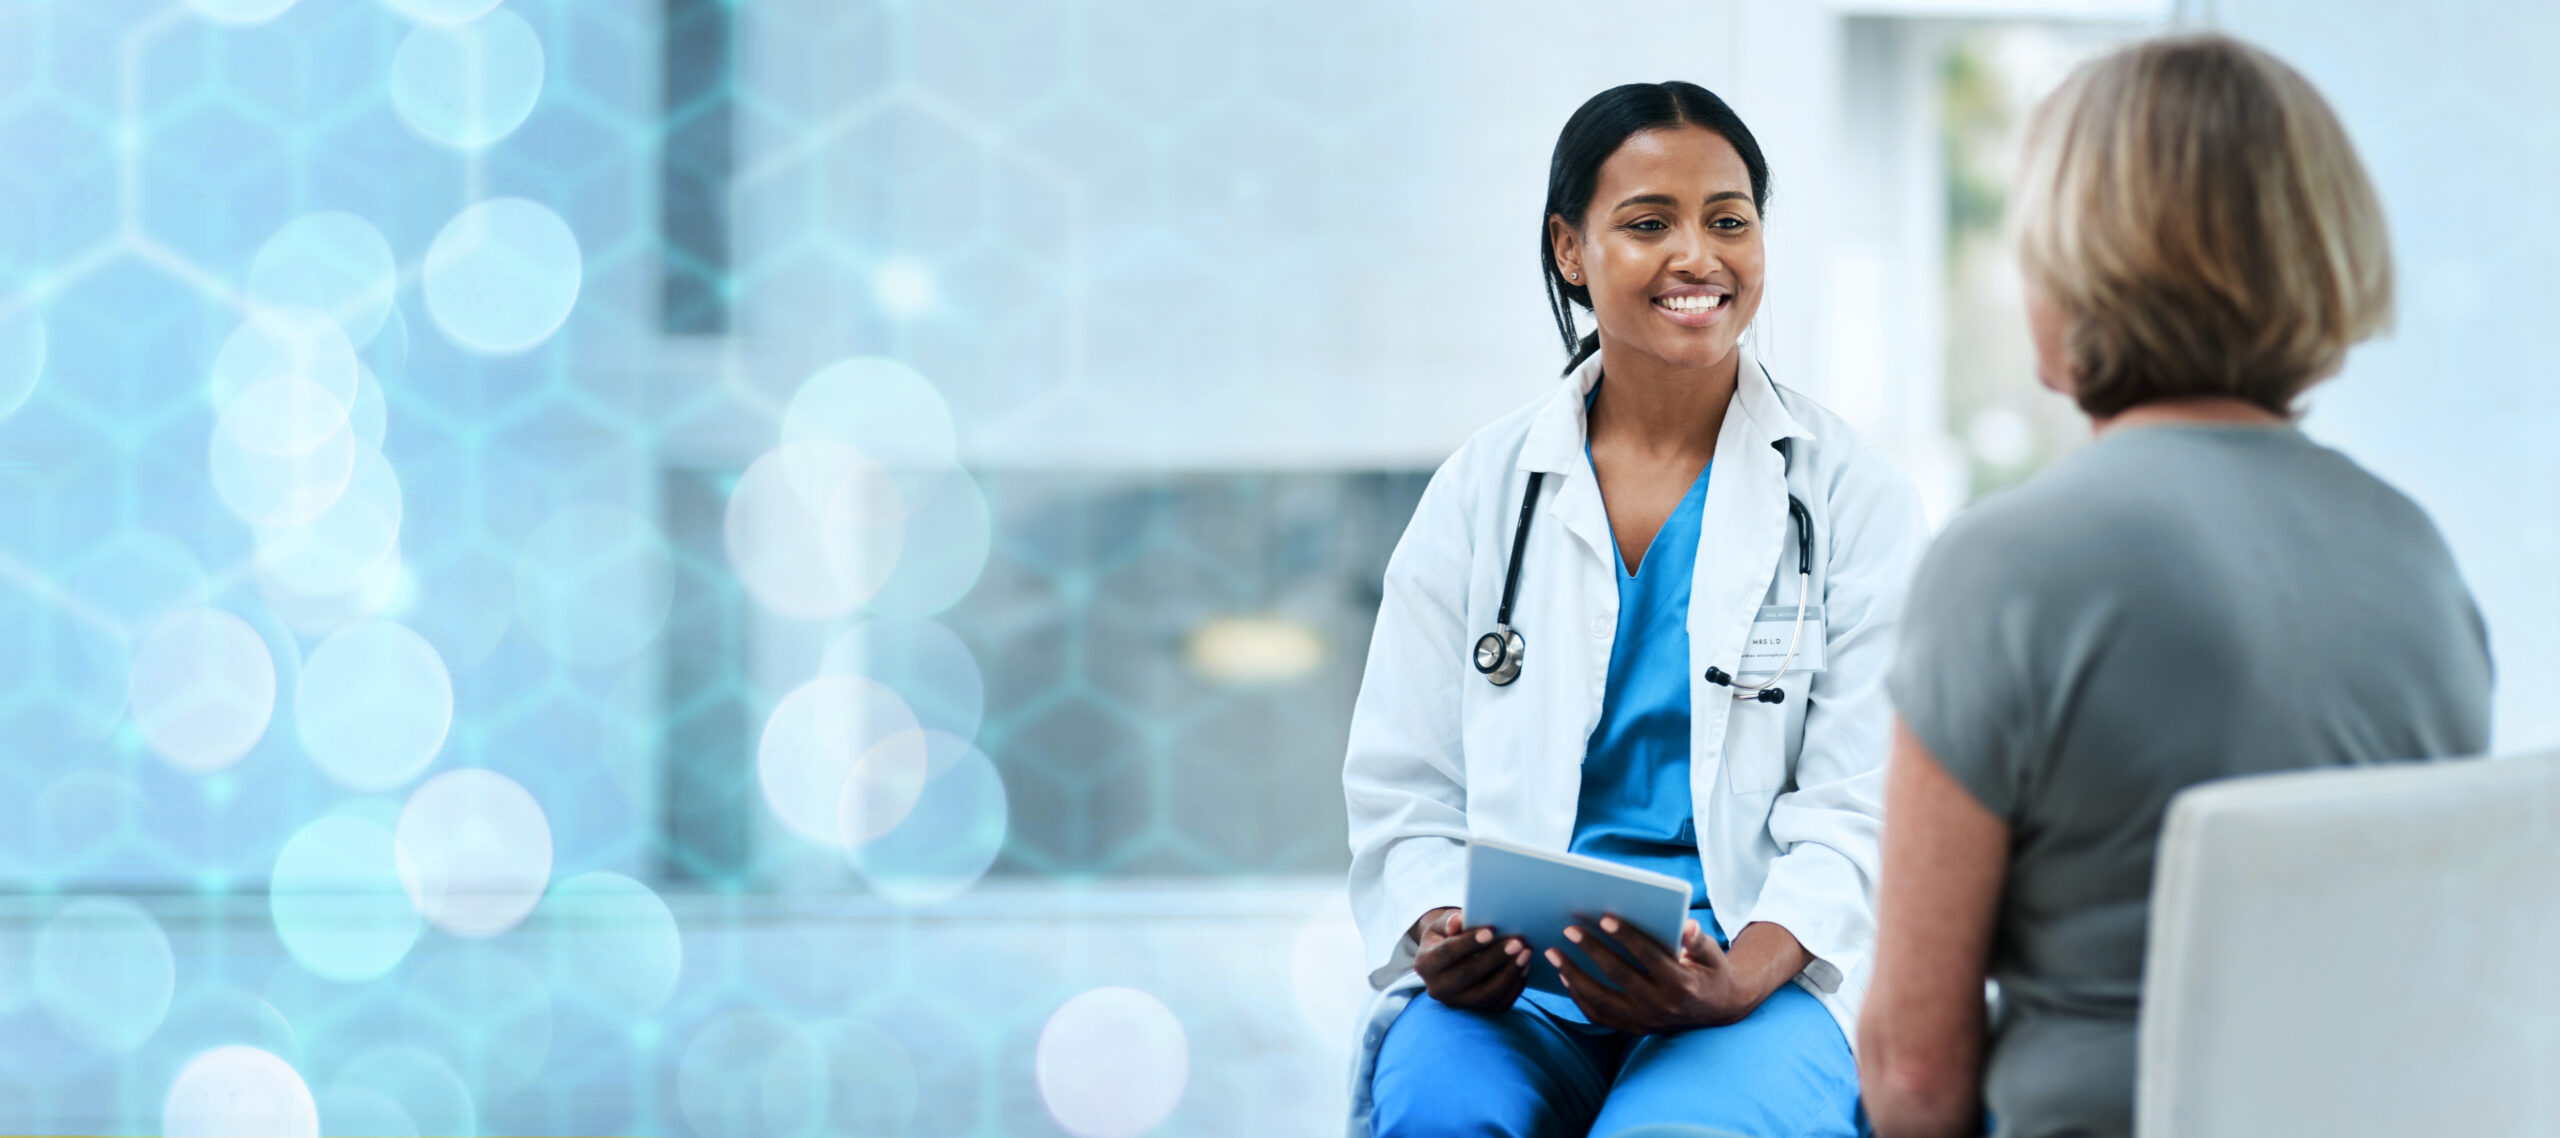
[442, 11]
[950, 838]
[22, 354]
[474, 852]
[1112, 1063]
[429, 1094]
[813, 529]
[203, 687]
[719, 1083]
[240, 11]
[881, 789]
[904, 288]
[104, 973]
[374, 705]
[332, 262]
[924, 662]
[338, 549]
[614, 944]
[285, 342]
[239, 1091]
[830, 732]
[337, 902]
[282, 383]
[502, 275]
[376, 592]
[944, 547]
[593, 584]
[840, 1077]
[470, 84]
[283, 415]
[277, 490]
[876, 407]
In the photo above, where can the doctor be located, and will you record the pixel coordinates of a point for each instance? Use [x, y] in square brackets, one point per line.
[1646, 618]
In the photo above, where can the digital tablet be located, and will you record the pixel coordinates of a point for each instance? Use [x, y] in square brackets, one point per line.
[1534, 894]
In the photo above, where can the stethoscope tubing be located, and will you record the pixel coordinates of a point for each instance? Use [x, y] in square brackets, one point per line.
[1803, 518]
[1499, 654]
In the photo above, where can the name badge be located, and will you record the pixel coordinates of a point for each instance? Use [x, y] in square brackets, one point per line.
[1773, 631]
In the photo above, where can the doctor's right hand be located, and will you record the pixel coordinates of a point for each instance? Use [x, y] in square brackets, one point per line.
[1471, 969]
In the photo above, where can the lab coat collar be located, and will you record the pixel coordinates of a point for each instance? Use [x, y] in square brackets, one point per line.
[1556, 438]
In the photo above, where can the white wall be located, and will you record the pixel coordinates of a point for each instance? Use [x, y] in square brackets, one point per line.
[1164, 238]
[2453, 107]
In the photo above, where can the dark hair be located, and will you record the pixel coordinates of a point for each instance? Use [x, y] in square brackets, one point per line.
[1593, 134]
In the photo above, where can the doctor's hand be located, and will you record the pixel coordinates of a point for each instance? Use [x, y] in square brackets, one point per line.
[1702, 985]
[1472, 969]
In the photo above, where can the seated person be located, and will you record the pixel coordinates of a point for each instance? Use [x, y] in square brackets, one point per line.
[1626, 530]
[1629, 530]
[2201, 592]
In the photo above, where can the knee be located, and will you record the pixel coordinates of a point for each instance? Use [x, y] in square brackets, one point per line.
[1430, 1100]
[1448, 1074]
[1446, 1112]
[1455, 1107]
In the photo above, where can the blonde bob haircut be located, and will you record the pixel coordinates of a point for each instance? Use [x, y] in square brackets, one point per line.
[2194, 212]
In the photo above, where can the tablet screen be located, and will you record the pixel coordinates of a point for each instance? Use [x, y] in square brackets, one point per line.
[1535, 894]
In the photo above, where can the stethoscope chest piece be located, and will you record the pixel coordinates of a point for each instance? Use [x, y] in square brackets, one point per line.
[1498, 655]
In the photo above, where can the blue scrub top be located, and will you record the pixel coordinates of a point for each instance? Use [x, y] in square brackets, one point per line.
[1635, 773]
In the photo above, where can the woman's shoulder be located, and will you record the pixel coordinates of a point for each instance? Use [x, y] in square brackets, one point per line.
[2157, 503]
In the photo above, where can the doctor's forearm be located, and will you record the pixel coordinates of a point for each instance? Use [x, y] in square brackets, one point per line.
[1768, 956]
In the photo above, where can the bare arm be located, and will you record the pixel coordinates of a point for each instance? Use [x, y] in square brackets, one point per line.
[1920, 1039]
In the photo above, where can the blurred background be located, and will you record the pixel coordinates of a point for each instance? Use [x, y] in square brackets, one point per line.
[772, 567]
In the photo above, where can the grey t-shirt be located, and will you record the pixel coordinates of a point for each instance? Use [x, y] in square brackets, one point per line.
[2170, 605]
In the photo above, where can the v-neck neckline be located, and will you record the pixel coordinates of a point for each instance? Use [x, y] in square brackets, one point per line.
[1618, 553]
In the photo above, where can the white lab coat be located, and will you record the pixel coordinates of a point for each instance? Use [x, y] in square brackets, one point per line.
[1787, 797]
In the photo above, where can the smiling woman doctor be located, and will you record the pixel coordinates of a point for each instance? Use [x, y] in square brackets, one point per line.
[1569, 656]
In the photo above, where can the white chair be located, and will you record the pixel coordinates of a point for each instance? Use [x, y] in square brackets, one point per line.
[2357, 952]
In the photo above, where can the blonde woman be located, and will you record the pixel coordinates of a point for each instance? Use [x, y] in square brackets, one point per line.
[2201, 592]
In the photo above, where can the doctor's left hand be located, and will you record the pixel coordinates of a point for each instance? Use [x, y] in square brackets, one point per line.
[1703, 985]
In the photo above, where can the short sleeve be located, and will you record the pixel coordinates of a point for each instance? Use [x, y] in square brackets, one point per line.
[1961, 677]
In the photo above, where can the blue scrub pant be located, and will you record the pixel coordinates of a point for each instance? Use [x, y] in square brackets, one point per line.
[1784, 1071]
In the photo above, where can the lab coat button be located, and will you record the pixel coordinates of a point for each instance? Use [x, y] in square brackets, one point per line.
[1599, 627]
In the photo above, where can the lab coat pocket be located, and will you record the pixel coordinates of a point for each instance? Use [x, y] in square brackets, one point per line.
[1500, 734]
[1755, 747]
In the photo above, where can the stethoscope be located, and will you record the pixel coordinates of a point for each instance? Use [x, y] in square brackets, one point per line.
[1500, 652]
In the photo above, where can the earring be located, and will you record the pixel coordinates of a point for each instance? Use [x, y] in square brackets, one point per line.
[1575, 276]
